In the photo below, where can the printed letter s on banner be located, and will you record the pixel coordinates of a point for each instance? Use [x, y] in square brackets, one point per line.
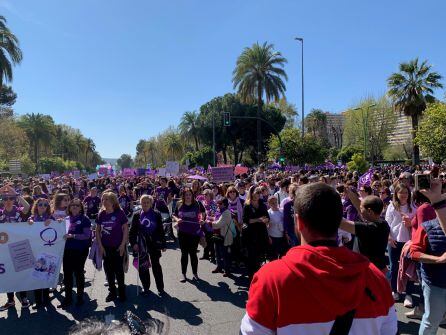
[2, 269]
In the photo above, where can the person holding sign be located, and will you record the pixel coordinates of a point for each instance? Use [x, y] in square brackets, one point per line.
[41, 212]
[112, 236]
[13, 213]
[78, 240]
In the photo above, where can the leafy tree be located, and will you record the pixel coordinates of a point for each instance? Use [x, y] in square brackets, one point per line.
[7, 98]
[10, 53]
[288, 110]
[358, 163]
[13, 140]
[259, 72]
[28, 166]
[189, 127]
[370, 126]
[202, 157]
[125, 161]
[431, 135]
[297, 151]
[411, 89]
[346, 153]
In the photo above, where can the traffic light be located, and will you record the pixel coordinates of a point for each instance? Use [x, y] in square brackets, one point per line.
[282, 161]
[226, 119]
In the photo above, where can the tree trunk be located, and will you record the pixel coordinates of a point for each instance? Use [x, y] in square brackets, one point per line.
[415, 147]
[259, 129]
[196, 142]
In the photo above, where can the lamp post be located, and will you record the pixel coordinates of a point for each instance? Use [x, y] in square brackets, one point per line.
[300, 39]
[365, 125]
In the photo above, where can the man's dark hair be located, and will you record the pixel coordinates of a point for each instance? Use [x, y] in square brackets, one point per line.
[285, 183]
[374, 203]
[320, 207]
[304, 180]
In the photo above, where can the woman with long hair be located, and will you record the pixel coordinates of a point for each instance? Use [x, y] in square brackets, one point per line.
[147, 240]
[255, 217]
[59, 205]
[399, 215]
[78, 240]
[235, 205]
[188, 216]
[8, 214]
[211, 209]
[41, 212]
[112, 236]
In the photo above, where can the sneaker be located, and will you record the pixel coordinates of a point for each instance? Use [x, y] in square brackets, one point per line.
[110, 297]
[25, 303]
[396, 296]
[195, 277]
[184, 279]
[216, 270]
[408, 301]
[106, 283]
[416, 313]
[7, 306]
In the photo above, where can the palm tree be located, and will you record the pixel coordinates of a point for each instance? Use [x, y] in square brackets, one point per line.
[40, 130]
[173, 145]
[258, 72]
[411, 89]
[10, 53]
[188, 127]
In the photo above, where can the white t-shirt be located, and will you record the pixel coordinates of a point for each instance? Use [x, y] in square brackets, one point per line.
[398, 231]
[275, 223]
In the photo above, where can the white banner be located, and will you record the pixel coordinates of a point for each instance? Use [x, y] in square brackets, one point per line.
[30, 255]
[172, 168]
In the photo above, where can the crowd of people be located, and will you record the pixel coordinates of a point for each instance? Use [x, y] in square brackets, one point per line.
[326, 237]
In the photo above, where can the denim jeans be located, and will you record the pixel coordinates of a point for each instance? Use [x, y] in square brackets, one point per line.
[222, 256]
[394, 260]
[434, 309]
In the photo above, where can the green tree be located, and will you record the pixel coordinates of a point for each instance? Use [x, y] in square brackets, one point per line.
[10, 53]
[189, 127]
[358, 163]
[173, 145]
[297, 151]
[40, 131]
[259, 72]
[411, 89]
[90, 147]
[370, 127]
[346, 153]
[13, 140]
[202, 157]
[288, 110]
[125, 161]
[431, 135]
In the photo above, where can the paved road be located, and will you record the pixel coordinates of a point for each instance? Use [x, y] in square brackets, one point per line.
[214, 305]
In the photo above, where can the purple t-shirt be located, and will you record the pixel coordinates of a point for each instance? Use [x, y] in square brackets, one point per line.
[111, 234]
[13, 216]
[80, 226]
[162, 192]
[148, 221]
[190, 215]
[92, 204]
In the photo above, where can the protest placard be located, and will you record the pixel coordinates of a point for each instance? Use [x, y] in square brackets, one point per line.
[30, 255]
[222, 174]
[172, 168]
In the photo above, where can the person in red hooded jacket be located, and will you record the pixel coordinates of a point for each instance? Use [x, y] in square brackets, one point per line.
[318, 287]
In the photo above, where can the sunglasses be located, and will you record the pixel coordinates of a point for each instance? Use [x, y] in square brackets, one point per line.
[75, 205]
[43, 204]
[9, 198]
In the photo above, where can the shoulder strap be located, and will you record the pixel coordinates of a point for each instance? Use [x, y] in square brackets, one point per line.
[343, 323]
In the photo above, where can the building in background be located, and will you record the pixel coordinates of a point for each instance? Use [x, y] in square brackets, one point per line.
[402, 134]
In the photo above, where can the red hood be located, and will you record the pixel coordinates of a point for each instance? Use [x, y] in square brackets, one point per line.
[339, 275]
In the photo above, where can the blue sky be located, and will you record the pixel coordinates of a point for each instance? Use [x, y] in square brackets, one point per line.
[125, 70]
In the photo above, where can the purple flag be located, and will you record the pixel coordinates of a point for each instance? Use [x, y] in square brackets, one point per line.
[366, 179]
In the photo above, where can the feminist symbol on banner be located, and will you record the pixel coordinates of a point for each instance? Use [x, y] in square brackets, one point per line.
[48, 235]
[4, 238]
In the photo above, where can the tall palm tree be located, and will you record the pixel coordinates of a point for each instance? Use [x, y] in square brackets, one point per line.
[173, 145]
[10, 53]
[411, 89]
[189, 127]
[40, 131]
[259, 72]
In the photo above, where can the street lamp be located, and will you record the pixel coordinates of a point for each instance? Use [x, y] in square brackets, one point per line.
[300, 39]
[365, 125]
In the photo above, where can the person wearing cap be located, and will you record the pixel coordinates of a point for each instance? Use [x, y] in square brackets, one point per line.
[9, 214]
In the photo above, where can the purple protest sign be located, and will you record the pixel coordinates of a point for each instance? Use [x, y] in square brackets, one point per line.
[366, 179]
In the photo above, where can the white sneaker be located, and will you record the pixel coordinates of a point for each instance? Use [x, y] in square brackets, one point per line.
[395, 296]
[408, 301]
[106, 283]
[416, 313]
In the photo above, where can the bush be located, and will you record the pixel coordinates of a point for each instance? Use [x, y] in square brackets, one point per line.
[358, 163]
[202, 157]
[346, 153]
